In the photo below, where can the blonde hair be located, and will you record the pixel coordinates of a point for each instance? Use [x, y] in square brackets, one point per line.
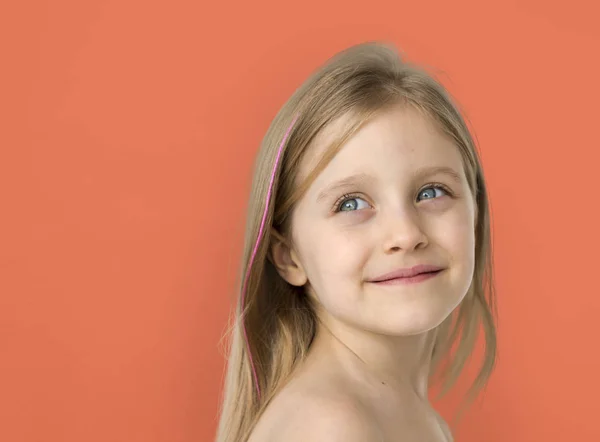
[280, 322]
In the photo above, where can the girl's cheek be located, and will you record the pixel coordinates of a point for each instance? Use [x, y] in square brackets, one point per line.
[354, 219]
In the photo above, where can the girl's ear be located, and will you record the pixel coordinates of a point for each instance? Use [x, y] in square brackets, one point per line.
[285, 260]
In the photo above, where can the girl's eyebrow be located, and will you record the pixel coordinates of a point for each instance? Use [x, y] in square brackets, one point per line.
[435, 170]
[359, 178]
[362, 178]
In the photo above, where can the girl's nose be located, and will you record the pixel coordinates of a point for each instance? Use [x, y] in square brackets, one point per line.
[403, 231]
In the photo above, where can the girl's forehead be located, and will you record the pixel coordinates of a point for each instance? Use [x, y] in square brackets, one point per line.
[395, 141]
[321, 144]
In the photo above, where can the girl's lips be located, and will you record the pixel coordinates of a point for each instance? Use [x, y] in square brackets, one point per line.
[409, 279]
[407, 272]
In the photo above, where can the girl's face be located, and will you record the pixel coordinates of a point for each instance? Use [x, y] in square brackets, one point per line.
[394, 197]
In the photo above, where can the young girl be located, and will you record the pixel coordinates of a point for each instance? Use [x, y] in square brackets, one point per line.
[367, 260]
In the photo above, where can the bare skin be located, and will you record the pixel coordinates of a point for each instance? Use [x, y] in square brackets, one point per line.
[334, 397]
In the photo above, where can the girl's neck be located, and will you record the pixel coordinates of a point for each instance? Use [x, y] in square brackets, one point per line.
[399, 363]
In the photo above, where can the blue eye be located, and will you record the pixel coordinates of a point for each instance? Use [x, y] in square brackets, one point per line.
[431, 190]
[348, 203]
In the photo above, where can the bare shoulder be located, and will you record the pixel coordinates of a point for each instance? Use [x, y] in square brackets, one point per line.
[332, 419]
[326, 415]
[329, 418]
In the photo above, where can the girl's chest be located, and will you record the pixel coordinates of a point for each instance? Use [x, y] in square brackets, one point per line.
[408, 424]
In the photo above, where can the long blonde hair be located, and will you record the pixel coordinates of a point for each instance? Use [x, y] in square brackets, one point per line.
[280, 323]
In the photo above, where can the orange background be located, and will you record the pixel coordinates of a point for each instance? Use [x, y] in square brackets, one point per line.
[128, 130]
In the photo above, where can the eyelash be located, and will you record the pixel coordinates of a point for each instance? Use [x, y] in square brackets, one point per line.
[349, 196]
